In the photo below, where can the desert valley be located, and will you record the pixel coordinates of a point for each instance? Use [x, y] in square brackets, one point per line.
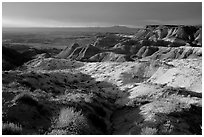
[112, 80]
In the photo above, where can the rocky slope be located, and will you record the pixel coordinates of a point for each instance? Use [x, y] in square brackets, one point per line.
[180, 35]
[94, 89]
[135, 94]
[154, 42]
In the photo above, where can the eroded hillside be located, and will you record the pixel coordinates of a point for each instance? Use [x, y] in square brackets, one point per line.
[152, 42]
[125, 87]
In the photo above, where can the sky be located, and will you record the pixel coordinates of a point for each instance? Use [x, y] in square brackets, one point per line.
[99, 14]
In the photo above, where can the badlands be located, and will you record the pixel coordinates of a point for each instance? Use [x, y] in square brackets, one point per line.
[145, 83]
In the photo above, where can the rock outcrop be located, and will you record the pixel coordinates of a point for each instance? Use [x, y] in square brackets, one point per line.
[178, 35]
[152, 42]
[147, 83]
[67, 51]
[176, 53]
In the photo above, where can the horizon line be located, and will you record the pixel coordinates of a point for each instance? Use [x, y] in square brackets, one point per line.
[79, 26]
[127, 26]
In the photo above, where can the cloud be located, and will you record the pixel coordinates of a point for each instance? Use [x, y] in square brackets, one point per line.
[12, 22]
[20, 22]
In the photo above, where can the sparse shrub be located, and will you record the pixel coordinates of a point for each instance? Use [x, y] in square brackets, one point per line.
[67, 115]
[74, 122]
[11, 129]
[148, 131]
[14, 84]
[26, 98]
